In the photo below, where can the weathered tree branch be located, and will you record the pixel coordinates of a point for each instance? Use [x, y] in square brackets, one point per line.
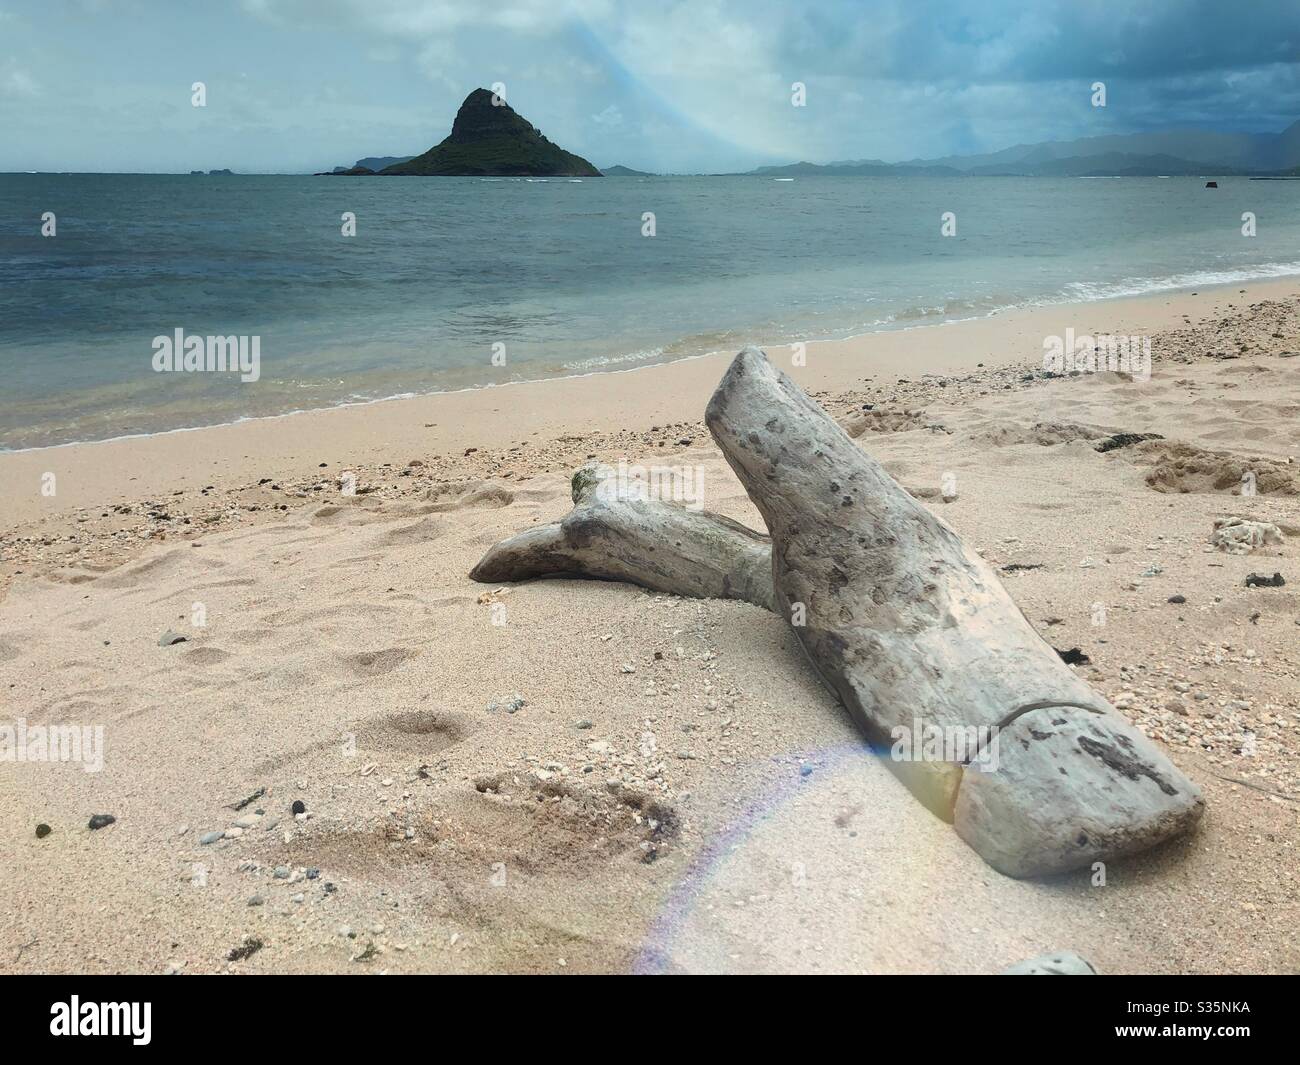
[616, 532]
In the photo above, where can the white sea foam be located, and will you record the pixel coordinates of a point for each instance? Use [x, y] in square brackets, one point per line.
[598, 361]
[1088, 291]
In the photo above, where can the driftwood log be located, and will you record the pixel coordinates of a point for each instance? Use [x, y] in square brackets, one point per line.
[915, 632]
[910, 629]
[616, 532]
[1062, 963]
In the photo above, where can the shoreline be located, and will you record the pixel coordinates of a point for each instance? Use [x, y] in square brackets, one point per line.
[649, 769]
[888, 325]
[151, 463]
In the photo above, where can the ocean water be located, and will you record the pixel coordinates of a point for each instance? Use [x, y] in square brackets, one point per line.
[554, 276]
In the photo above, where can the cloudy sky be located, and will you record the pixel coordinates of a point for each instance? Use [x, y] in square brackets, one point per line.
[669, 85]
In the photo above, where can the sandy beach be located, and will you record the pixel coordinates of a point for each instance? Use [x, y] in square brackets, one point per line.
[589, 777]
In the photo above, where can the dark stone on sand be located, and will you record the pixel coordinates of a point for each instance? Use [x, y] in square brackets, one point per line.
[298, 807]
[1256, 581]
[1073, 657]
[245, 950]
[248, 801]
[1124, 440]
[101, 821]
[43, 830]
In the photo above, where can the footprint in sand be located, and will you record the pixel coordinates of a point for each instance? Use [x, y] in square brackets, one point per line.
[657, 822]
[541, 494]
[150, 570]
[531, 829]
[377, 663]
[233, 582]
[418, 732]
[205, 656]
[77, 574]
[473, 494]
[418, 532]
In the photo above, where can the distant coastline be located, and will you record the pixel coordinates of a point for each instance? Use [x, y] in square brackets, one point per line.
[1165, 153]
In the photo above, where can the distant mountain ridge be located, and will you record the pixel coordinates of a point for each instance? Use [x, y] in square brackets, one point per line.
[372, 163]
[490, 139]
[866, 167]
[1166, 152]
[1207, 148]
[378, 162]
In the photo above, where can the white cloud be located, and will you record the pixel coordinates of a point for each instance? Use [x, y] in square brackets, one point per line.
[677, 85]
[16, 82]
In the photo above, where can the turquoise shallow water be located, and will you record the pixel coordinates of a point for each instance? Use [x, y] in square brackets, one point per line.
[554, 275]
